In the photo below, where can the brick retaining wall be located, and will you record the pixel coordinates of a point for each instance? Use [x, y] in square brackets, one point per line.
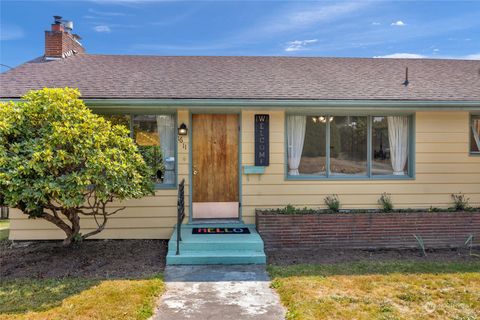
[367, 230]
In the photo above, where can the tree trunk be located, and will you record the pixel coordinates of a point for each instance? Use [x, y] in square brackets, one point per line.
[62, 225]
[74, 219]
[70, 231]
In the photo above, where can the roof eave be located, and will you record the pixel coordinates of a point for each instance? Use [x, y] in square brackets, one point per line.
[411, 105]
[275, 104]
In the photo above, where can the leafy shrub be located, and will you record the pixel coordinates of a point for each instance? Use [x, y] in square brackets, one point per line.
[385, 202]
[59, 161]
[332, 202]
[289, 209]
[154, 160]
[460, 202]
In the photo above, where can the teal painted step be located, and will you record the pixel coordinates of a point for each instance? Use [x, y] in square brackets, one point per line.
[215, 257]
[216, 248]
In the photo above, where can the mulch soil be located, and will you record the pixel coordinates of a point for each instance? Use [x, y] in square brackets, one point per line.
[322, 256]
[143, 258]
[91, 259]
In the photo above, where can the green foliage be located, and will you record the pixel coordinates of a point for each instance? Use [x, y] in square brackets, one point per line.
[460, 202]
[385, 202]
[289, 209]
[421, 244]
[332, 202]
[118, 119]
[435, 209]
[56, 155]
[154, 160]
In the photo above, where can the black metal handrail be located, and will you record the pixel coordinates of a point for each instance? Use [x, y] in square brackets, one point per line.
[180, 212]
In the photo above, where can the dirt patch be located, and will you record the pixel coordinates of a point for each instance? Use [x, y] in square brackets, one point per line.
[312, 256]
[92, 259]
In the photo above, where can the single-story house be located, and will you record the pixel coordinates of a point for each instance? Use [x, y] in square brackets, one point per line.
[264, 132]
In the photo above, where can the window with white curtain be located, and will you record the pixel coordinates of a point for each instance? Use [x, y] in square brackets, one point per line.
[475, 134]
[155, 138]
[329, 146]
[390, 145]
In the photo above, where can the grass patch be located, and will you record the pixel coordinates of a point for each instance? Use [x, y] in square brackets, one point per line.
[72, 298]
[380, 290]
[4, 229]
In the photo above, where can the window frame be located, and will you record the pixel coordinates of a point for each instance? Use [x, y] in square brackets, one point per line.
[328, 176]
[470, 122]
[158, 186]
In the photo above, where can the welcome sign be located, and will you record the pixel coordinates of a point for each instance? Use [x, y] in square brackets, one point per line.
[262, 147]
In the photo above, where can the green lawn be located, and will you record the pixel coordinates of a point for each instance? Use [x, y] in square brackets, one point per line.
[4, 229]
[380, 290]
[79, 298]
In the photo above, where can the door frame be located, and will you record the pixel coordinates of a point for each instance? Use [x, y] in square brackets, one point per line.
[190, 158]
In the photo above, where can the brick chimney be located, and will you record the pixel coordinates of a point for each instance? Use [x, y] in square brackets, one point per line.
[60, 42]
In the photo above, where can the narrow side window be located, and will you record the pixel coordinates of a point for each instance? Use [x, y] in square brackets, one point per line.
[475, 134]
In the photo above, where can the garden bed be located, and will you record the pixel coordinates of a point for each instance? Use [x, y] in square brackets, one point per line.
[99, 259]
[367, 230]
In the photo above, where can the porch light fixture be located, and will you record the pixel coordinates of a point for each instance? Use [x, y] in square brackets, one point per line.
[182, 130]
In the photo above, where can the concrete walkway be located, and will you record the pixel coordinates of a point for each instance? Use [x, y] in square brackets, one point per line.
[218, 292]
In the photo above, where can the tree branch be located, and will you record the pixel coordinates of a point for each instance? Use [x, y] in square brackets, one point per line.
[58, 222]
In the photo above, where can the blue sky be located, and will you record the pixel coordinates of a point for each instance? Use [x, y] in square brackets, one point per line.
[443, 29]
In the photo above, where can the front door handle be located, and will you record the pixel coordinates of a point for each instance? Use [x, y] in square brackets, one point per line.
[195, 170]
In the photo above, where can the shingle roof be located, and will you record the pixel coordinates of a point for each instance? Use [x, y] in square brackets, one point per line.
[283, 78]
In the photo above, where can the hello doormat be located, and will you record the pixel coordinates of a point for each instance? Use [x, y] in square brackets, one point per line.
[220, 231]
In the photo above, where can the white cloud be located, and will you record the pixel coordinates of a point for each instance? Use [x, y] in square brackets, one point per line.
[376, 23]
[10, 32]
[403, 56]
[299, 17]
[102, 28]
[298, 45]
[398, 23]
[475, 56]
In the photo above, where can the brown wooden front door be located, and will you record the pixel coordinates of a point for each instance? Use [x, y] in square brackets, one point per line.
[215, 166]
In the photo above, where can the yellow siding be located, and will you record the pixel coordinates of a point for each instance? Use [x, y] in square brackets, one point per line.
[443, 166]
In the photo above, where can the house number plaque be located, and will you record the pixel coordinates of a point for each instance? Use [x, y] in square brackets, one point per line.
[262, 150]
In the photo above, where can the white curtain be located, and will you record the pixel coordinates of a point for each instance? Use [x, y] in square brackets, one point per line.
[476, 132]
[295, 137]
[398, 138]
[166, 132]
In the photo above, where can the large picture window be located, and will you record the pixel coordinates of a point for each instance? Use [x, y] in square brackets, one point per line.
[326, 146]
[155, 138]
[348, 146]
[475, 134]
